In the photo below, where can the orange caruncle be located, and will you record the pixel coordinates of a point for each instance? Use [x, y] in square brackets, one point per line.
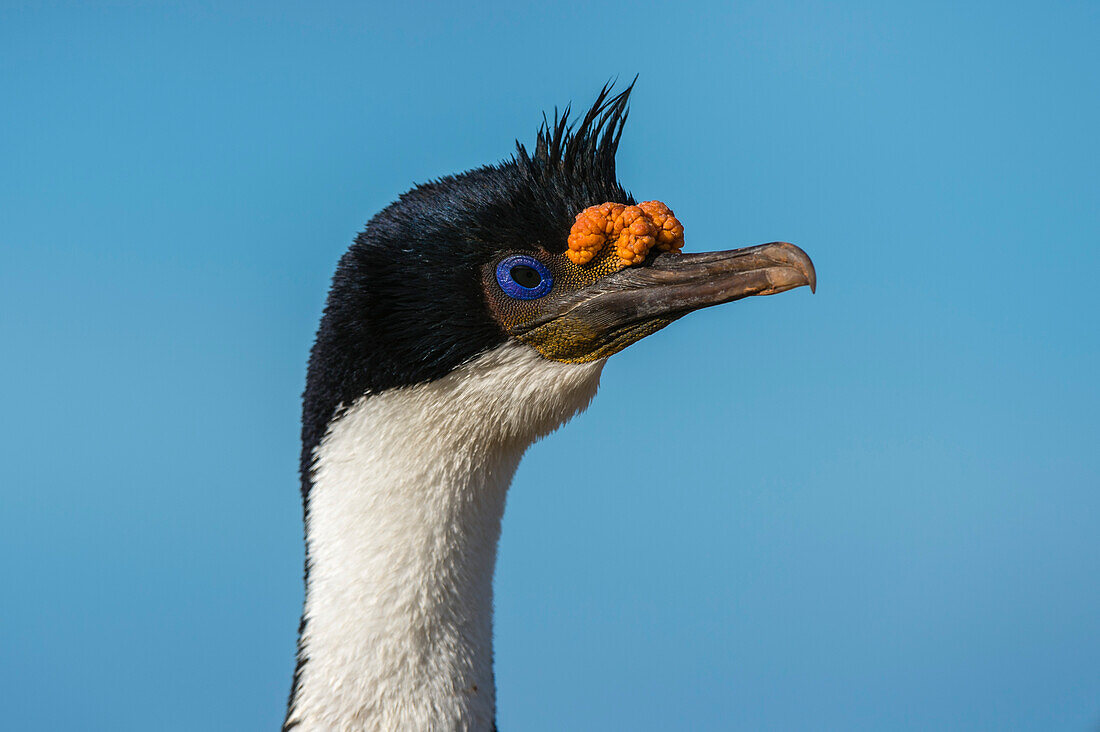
[634, 231]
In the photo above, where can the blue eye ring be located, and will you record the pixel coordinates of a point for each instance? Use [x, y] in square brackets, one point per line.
[530, 290]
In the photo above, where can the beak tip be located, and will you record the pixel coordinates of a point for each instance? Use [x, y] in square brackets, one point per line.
[802, 262]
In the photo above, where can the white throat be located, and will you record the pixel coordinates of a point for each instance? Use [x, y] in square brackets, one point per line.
[404, 517]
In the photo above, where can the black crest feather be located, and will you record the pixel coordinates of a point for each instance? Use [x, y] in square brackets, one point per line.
[585, 153]
[573, 165]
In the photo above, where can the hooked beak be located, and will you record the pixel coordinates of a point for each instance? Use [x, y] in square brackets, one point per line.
[622, 308]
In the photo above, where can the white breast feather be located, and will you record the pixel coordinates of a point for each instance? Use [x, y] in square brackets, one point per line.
[404, 519]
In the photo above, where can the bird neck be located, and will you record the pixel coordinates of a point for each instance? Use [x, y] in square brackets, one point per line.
[404, 513]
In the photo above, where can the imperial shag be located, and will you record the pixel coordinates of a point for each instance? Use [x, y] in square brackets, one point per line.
[471, 317]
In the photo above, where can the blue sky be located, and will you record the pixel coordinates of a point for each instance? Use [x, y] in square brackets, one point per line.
[873, 508]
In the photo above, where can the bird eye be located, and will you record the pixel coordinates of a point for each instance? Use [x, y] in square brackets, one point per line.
[524, 277]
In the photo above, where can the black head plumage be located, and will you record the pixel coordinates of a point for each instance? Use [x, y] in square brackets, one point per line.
[406, 304]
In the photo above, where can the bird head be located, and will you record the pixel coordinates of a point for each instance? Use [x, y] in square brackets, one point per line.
[546, 250]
